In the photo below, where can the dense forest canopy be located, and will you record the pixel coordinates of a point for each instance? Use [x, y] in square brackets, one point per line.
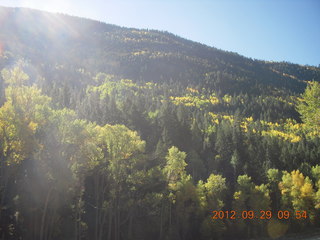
[106, 130]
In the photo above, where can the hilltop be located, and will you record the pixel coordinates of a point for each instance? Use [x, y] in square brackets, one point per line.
[57, 42]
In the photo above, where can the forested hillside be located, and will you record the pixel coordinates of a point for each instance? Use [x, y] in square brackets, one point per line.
[117, 133]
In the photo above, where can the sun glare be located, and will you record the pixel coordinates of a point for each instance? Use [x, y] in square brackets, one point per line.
[58, 6]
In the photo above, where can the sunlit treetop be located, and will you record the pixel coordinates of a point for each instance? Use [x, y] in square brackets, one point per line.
[309, 107]
[15, 76]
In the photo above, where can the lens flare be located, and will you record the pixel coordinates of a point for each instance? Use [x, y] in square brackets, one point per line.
[277, 229]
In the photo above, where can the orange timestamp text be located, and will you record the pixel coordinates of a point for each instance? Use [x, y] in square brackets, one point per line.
[262, 214]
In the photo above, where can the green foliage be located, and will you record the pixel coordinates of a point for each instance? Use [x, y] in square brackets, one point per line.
[273, 175]
[111, 164]
[86, 155]
[15, 76]
[297, 193]
[211, 196]
[316, 175]
[174, 169]
[309, 107]
[23, 114]
[251, 198]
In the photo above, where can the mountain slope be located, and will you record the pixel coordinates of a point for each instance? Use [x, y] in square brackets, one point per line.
[127, 128]
[48, 40]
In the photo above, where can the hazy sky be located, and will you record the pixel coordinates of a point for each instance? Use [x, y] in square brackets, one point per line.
[279, 30]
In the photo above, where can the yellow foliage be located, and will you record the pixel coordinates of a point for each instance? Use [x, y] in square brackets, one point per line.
[314, 133]
[296, 139]
[228, 117]
[297, 191]
[194, 101]
[192, 90]
[140, 53]
[33, 126]
[216, 118]
[286, 136]
[213, 115]
[237, 195]
[214, 100]
[249, 119]
[306, 189]
[227, 98]
[244, 126]
[20, 116]
[297, 178]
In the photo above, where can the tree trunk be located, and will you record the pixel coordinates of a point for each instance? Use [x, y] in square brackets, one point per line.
[161, 221]
[43, 219]
[110, 224]
[52, 223]
[97, 210]
[130, 227]
[78, 230]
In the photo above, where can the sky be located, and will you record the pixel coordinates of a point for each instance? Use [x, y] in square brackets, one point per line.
[272, 30]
